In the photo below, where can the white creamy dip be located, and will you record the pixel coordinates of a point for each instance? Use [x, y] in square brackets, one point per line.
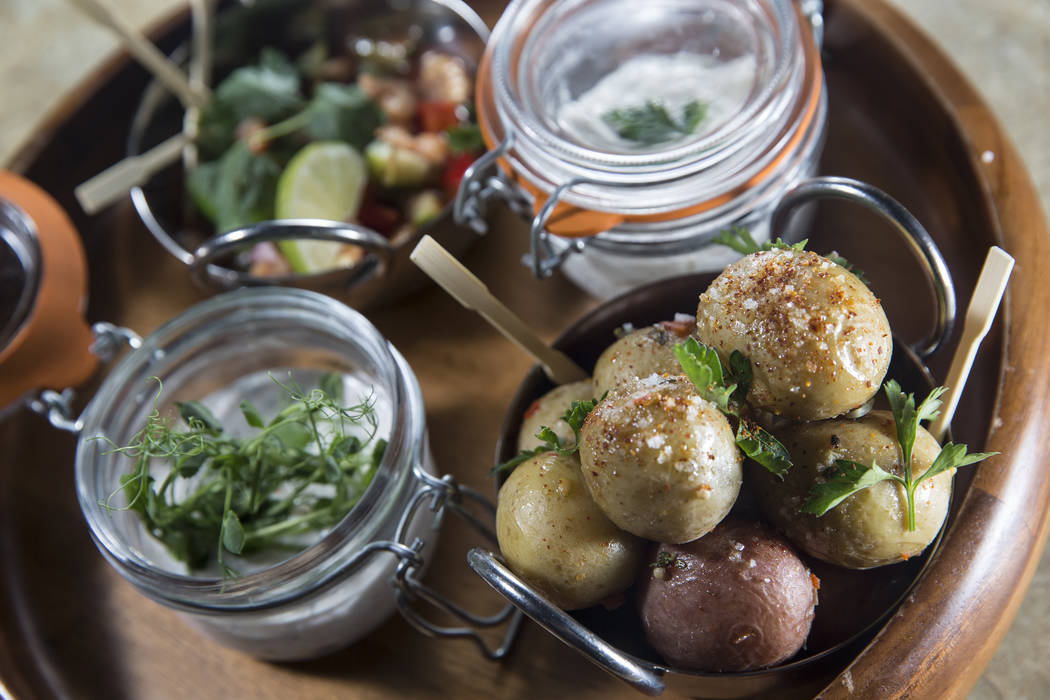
[672, 80]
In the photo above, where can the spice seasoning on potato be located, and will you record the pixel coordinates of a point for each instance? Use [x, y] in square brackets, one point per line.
[737, 599]
[660, 460]
[555, 538]
[869, 528]
[817, 338]
[641, 353]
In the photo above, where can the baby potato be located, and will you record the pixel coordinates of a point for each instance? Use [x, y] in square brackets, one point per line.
[548, 411]
[817, 338]
[736, 599]
[640, 353]
[555, 538]
[870, 527]
[660, 460]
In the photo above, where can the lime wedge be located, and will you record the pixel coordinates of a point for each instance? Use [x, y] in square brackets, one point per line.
[324, 180]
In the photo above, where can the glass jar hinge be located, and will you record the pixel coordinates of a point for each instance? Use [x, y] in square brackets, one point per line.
[483, 181]
[441, 496]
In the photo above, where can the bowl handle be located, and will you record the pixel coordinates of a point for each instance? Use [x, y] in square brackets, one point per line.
[920, 242]
[641, 676]
[206, 274]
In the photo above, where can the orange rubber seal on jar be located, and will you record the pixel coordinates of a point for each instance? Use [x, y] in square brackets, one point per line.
[52, 349]
[570, 221]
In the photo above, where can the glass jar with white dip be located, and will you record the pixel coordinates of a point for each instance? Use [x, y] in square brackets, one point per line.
[345, 581]
[735, 88]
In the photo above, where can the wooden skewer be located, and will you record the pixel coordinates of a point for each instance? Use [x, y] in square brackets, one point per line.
[144, 51]
[979, 316]
[472, 293]
[114, 182]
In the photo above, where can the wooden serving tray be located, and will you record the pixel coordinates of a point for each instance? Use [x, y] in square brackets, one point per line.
[901, 117]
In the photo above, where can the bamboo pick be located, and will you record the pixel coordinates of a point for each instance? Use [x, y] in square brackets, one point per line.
[199, 76]
[144, 51]
[979, 316]
[472, 293]
[114, 182]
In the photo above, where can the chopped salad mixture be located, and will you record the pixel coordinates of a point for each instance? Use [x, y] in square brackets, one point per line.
[378, 135]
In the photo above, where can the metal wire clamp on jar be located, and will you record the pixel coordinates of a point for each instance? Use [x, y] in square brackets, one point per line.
[333, 591]
[612, 215]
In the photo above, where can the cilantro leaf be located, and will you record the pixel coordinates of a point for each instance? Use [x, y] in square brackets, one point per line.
[760, 445]
[340, 112]
[848, 478]
[237, 190]
[268, 91]
[703, 367]
[651, 123]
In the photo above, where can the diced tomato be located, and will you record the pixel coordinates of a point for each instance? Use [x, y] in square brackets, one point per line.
[453, 172]
[437, 115]
[379, 217]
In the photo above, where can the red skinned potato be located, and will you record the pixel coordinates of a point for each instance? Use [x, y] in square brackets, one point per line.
[737, 599]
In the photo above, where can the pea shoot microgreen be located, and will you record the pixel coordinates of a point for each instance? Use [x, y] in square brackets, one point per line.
[849, 477]
[575, 415]
[652, 123]
[301, 472]
[727, 389]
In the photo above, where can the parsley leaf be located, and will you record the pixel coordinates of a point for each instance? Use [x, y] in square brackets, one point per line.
[842, 262]
[575, 415]
[651, 123]
[703, 367]
[848, 478]
[740, 239]
[760, 445]
[851, 477]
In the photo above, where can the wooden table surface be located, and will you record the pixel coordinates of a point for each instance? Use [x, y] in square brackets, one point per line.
[72, 627]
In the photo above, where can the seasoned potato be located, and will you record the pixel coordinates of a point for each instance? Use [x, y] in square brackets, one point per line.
[640, 353]
[869, 528]
[553, 535]
[548, 411]
[737, 599]
[660, 460]
[817, 338]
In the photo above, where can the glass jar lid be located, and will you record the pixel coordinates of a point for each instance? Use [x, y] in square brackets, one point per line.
[647, 109]
[19, 270]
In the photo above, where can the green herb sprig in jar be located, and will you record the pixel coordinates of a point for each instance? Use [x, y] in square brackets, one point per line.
[300, 473]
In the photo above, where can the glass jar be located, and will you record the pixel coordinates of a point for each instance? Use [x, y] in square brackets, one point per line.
[553, 89]
[335, 590]
[44, 338]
